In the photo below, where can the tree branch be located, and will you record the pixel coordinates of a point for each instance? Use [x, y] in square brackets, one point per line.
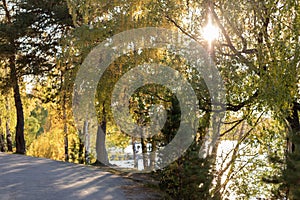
[235, 125]
[230, 44]
[181, 28]
[7, 14]
[235, 108]
[296, 105]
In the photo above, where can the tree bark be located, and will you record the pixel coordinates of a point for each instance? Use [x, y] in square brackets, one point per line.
[8, 138]
[20, 140]
[2, 142]
[153, 154]
[135, 161]
[8, 133]
[87, 142]
[66, 140]
[293, 156]
[81, 156]
[144, 153]
[102, 156]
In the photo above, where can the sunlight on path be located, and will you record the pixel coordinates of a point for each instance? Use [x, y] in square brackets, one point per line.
[23, 177]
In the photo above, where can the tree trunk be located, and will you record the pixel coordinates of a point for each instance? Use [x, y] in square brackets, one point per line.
[20, 140]
[87, 142]
[66, 141]
[102, 156]
[135, 161]
[293, 156]
[2, 142]
[8, 134]
[144, 153]
[81, 156]
[153, 154]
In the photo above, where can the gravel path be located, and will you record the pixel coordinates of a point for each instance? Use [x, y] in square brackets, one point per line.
[28, 178]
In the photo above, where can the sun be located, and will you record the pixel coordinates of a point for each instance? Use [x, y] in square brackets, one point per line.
[210, 32]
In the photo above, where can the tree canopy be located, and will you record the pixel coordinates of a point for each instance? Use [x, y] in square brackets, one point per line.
[254, 46]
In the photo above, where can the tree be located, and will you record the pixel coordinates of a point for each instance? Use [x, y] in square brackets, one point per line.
[28, 45]
[269, 53]
[7, 126]
[91, 30]
[2, 143]
[257, 53]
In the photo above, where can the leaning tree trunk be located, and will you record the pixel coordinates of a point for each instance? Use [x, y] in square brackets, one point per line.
[20, 140]
[293, 157]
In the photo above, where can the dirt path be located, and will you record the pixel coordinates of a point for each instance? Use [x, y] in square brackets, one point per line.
[28, 178]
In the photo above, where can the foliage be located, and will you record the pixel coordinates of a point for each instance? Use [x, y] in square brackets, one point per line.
[188, 177]
[258, 163]
[257, 53]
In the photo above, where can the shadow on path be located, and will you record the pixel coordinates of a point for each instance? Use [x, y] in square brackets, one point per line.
[29, 178]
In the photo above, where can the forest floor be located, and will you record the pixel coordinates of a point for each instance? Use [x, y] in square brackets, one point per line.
[24, 177]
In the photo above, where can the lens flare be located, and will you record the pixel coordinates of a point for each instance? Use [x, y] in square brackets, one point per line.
[210, 31]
